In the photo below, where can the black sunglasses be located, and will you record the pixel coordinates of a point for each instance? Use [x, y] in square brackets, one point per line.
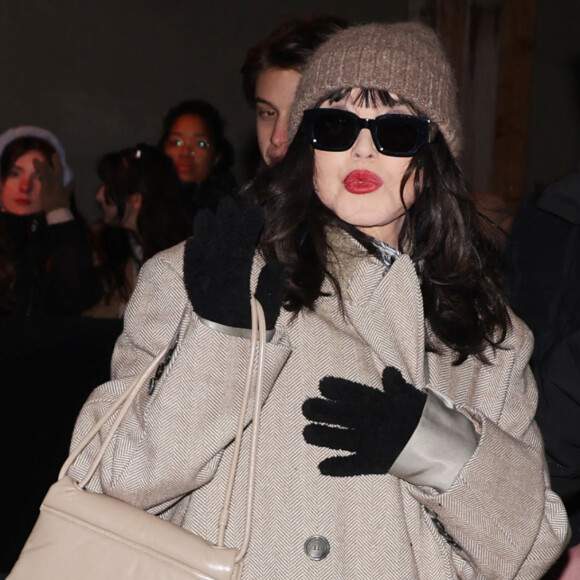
[393, 134]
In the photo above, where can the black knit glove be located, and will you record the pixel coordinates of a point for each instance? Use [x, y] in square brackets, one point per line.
[374, 425]
[218, 262]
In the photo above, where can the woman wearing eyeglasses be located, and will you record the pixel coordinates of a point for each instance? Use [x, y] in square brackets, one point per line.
[397, 437]
[193, 138]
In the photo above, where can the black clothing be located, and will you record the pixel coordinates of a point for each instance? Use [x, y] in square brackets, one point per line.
[45, 269]
[49, 367]
[207, 193]
[542, 281]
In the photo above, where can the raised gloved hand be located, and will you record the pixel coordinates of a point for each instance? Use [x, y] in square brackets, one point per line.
[218, 262]
[374, 425]
[53, 192]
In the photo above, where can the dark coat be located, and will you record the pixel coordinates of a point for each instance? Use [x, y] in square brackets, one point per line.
[207, 194]
[542, 280]
[45, 269]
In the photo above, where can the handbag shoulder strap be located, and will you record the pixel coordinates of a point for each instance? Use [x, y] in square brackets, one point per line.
[258, 338]
[124, 401]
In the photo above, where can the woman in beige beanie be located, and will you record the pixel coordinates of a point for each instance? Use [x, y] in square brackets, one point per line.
[397, 435]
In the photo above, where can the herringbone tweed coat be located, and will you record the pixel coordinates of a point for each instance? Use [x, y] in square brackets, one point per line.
[498, 520]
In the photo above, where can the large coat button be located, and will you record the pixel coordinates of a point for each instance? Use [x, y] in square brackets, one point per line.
[317, 547]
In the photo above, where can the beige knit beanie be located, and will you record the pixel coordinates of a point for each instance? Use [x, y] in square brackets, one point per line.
[406, 58]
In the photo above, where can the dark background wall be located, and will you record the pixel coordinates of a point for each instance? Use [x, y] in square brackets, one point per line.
[102, 74]
[554, 143]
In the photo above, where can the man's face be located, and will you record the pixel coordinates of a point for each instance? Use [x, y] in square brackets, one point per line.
[275, 90]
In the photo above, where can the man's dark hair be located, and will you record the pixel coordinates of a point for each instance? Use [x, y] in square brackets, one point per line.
[288, 47]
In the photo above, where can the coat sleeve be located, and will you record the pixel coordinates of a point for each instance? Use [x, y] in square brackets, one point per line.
[500, 518]
[171, 441]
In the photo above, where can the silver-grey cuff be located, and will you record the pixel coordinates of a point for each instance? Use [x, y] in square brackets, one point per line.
[234, 331]
[441, 445]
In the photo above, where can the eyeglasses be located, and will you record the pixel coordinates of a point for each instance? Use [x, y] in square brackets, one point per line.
[194, 145]
[393, 134]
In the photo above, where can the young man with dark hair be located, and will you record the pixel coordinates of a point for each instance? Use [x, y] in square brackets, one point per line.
[271, 73]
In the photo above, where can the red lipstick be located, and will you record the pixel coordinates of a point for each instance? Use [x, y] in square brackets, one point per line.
[362, 181]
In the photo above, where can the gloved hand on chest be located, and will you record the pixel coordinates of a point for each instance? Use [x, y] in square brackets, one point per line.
[373, 425]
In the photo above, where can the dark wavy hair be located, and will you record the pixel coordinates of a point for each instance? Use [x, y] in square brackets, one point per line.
[289, 47]
[455, 247]
[161, 222]
[146, 170]
[215, 124]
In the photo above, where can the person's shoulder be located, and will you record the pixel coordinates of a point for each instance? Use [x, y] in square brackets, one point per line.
[519, 335]
[160, 282]
[568, 181]
[169, 260]
[562, 198]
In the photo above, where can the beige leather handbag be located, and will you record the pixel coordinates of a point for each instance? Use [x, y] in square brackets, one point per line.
[82, 534]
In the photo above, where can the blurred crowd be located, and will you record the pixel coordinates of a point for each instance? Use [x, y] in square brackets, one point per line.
[54, 263]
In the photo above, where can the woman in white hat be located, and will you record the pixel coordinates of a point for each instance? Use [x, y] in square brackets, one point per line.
[45, 258]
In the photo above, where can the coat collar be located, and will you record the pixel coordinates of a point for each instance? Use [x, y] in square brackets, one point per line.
[385, 309]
